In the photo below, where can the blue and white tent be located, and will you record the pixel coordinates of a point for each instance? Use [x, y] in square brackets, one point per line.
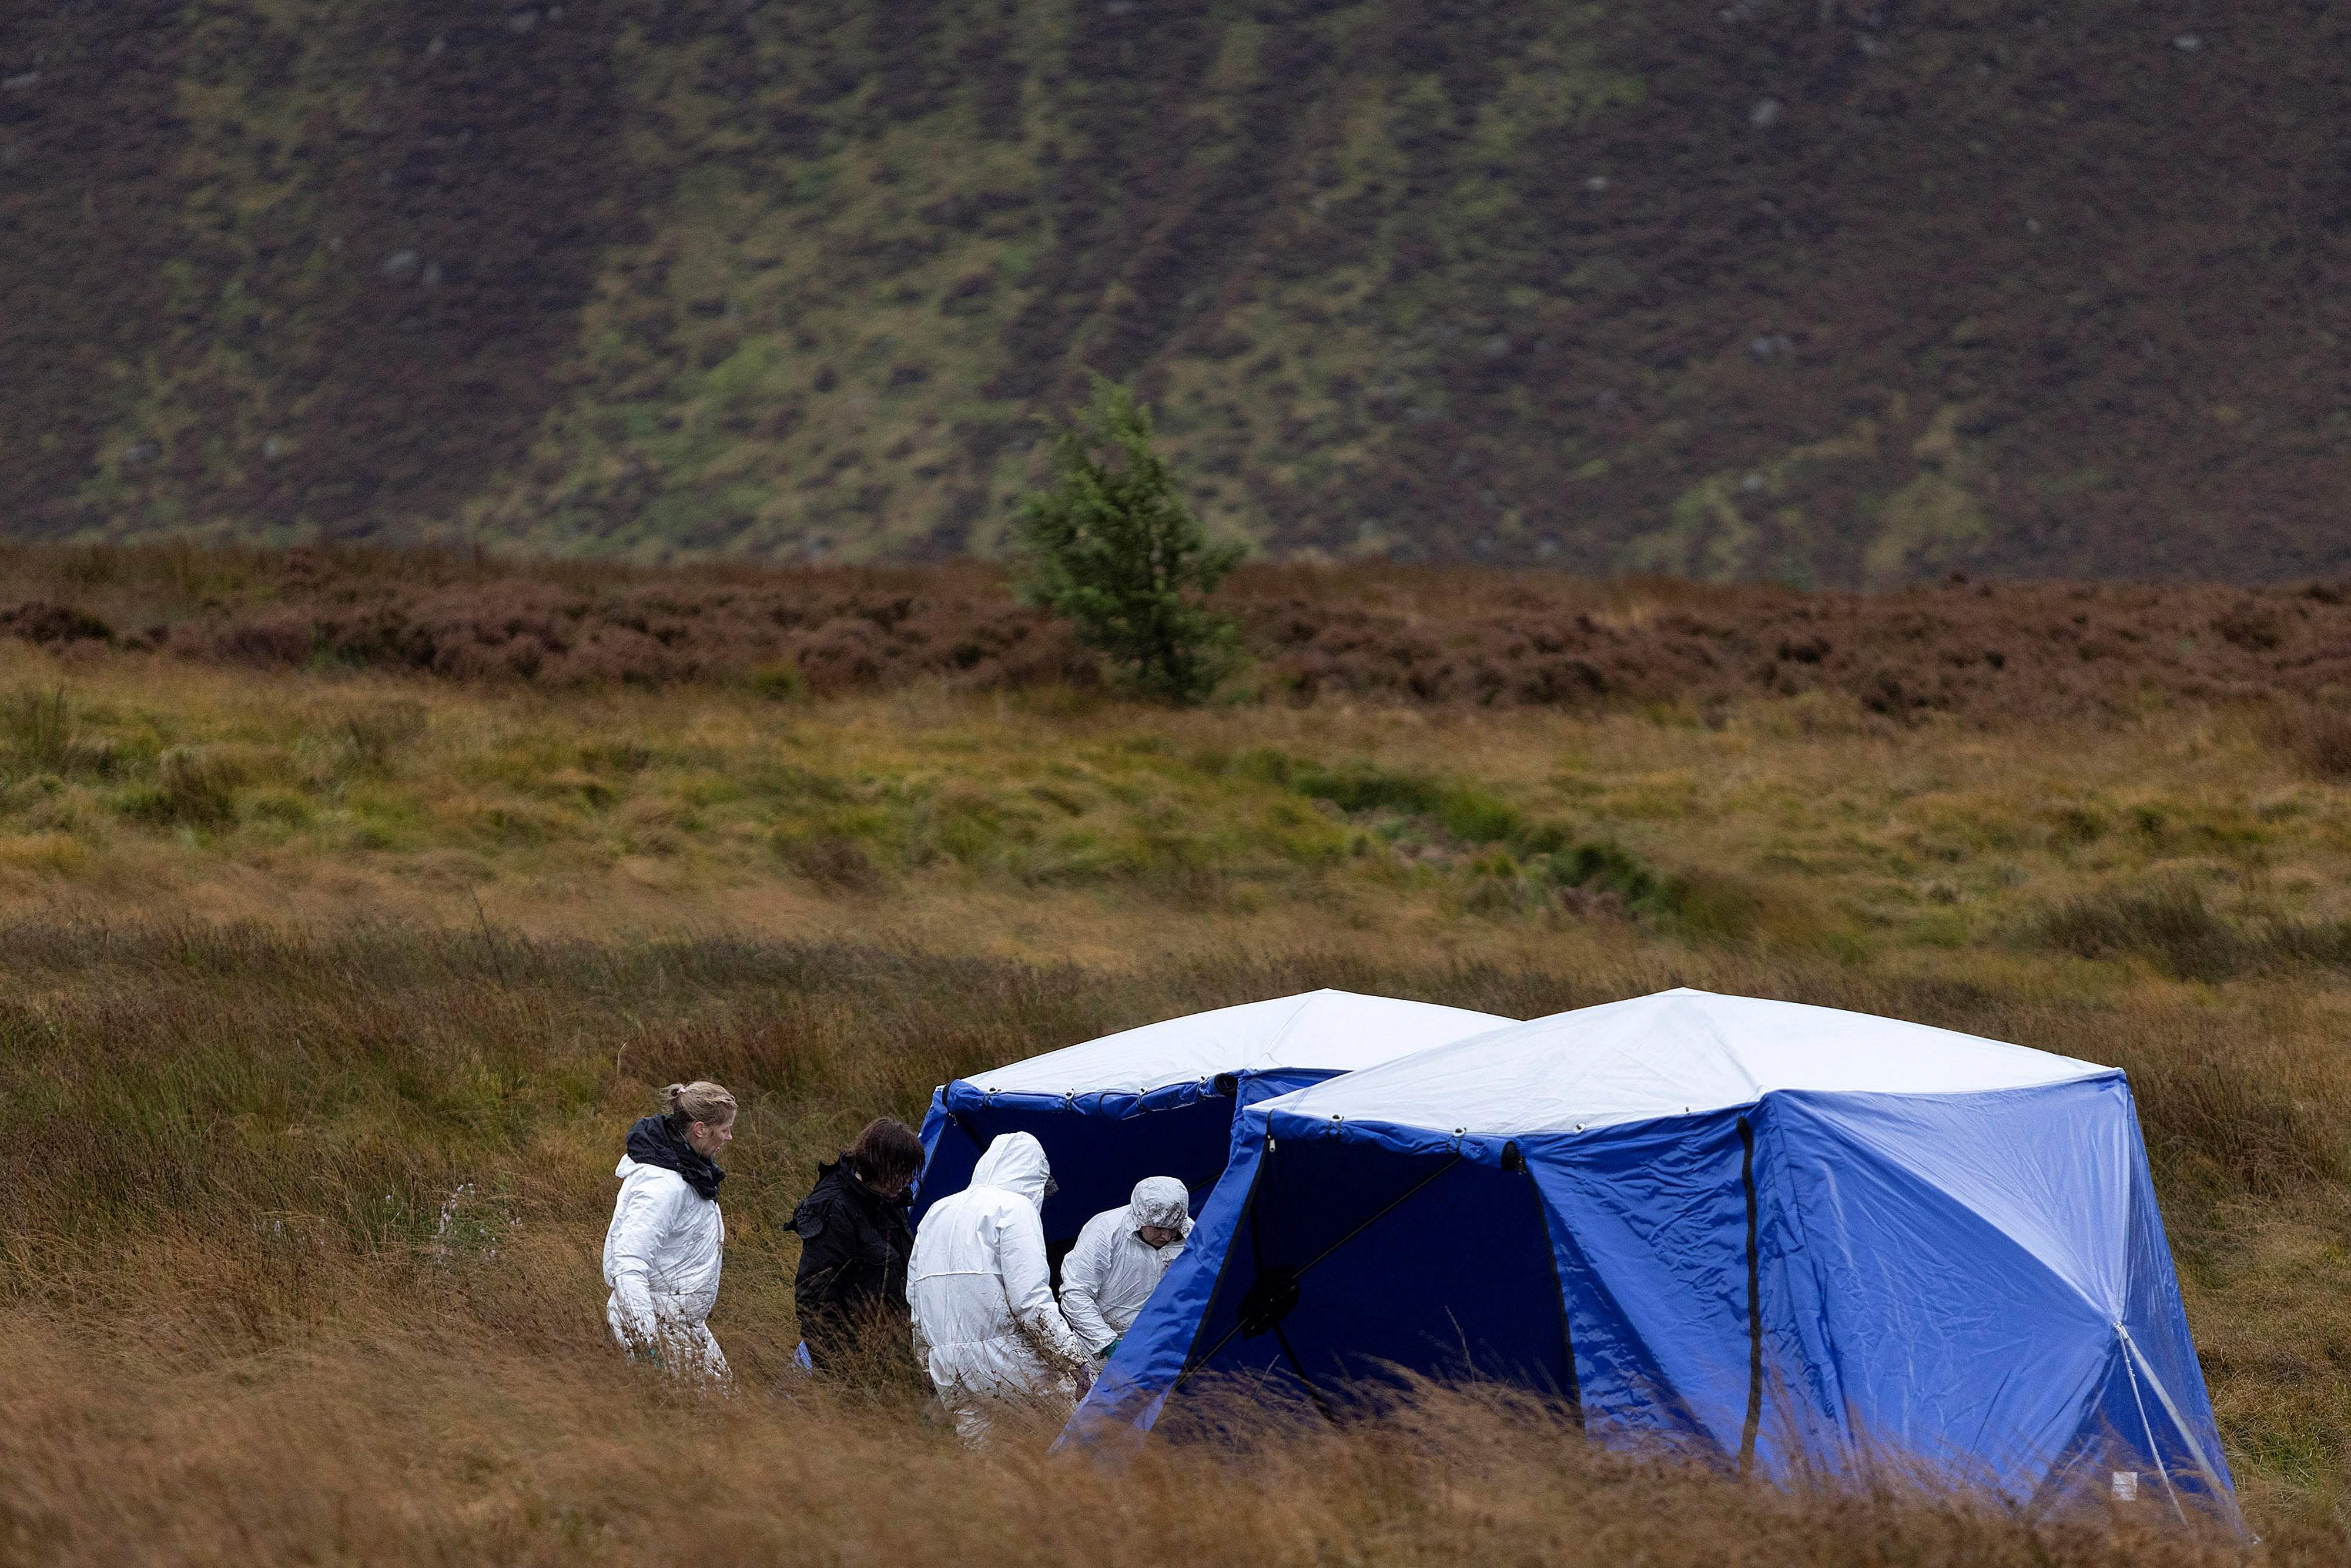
[1160, 1100]
[1787, 1238]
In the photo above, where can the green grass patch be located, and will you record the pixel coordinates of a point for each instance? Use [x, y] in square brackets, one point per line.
[1468, 813]
[37, 729]
[195, 787]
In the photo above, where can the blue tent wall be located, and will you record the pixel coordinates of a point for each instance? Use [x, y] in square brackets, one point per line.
[1099, 1146]
[1648, 1226]
[1628, 1245]
[1952, 1312]
[1467, 1291]
[1937, 1279]
[1963, 1280]
[2156, 1324]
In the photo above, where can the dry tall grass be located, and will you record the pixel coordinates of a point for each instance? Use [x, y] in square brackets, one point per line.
[415, 1446]
[300, 1257]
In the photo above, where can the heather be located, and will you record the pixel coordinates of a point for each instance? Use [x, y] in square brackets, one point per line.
[1458, 637]
[1814, 290]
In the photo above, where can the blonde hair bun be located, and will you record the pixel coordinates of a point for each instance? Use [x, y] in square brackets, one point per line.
[700, 1101]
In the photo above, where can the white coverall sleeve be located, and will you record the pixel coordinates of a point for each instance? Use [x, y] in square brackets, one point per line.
[1082, 1274]
[637, 1231]
[1029, 1288]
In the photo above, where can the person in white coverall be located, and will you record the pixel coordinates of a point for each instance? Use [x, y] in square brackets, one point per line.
[985, 1325]
[663, 1252]
[1119, 1259]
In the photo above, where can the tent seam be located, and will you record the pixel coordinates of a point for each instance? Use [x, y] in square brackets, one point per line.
[1730, 1053]
[1274, 1044]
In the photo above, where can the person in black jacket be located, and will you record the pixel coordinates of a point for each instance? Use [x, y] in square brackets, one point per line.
[854, 1241]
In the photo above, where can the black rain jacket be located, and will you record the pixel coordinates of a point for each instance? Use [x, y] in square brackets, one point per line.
[854, 1244]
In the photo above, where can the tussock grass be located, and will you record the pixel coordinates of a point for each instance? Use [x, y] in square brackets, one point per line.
[379, 733]
[2170, 924]
[37, 727]
[2319, 736]
[193, 786]
[364, 1174]
[204, 1057]
[2174, 926]
[399, 1446]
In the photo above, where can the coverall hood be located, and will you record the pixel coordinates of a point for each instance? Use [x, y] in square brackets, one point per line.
[1161, 1200]
[1015, 1161]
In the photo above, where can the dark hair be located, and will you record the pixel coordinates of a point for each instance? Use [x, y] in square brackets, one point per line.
[886, 1152]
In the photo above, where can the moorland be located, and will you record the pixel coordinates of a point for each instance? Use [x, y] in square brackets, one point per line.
[1838, 291]
[351, 904]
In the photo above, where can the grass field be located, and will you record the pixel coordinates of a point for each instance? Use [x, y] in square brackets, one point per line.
[330, 994]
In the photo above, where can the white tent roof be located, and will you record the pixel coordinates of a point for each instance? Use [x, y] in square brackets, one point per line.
[1665, 1055]
[1333, 1031]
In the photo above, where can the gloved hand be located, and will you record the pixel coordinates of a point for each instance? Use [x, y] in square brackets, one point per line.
[1112, 1348]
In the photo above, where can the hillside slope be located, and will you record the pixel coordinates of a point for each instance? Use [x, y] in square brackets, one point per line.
[1809, 290]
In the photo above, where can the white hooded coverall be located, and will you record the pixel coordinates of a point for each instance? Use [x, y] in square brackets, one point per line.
[662, 1259]
[985, 1325]
[1111, 1270]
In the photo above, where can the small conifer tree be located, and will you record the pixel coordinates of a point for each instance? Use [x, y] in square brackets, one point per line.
[1111, 547]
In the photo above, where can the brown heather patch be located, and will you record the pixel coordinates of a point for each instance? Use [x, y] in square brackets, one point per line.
[1414, 636]
[2317, 736]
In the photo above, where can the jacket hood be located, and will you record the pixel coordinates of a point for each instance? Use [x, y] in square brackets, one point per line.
[1161, 1200]
[654, 1142]
[1015, 1161]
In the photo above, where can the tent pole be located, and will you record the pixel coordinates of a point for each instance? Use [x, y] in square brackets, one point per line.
[1197, 1358]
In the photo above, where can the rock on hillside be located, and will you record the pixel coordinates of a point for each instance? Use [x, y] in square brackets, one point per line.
[1808, 289]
